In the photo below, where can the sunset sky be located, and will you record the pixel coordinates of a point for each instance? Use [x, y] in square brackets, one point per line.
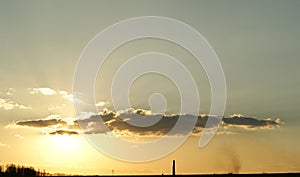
[257, 43]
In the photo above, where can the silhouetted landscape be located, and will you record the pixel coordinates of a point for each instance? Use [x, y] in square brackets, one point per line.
[17, 170]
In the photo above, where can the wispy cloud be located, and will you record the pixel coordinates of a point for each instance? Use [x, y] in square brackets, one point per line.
[101, 103]
[118, 123]
[40, 123]
[3, 145]
[51, 92]
[72, 98]
[11, 91]
[7, 104]
[62, 92]
[42, 90]
[55, 107]
[19, 136]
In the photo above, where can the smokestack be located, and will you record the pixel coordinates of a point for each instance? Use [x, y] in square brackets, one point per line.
[173, 168]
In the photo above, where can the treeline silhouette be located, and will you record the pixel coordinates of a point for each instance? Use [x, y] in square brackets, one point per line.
[17, 170]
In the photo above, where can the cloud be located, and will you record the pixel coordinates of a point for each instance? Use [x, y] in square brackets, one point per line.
[72, 98]
[40, 123]
[19, 136]
[53, 125]
[121, 123]
[62, 92]
[101, 103]
[3, 145]
[7, 104]
[51, 92]
[11, 91]
[42, 90]
[64, 132]
[250, 122]
[55, 107]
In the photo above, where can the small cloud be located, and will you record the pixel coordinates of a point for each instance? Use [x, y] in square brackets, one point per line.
[25, 107]
[101, 103]
[64, 132]
[11, 91]
[277, 121]
[236, 115]
[19, 136]
[53, 107]
[48, 91]
[250, 122]
[62, 92]
[42, 90]
[52, 124]
[39, 123]
[133, 111]
[3, 145]
[7, 104]
[72, 98]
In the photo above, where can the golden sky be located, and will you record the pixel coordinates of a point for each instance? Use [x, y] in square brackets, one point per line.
[257, 44]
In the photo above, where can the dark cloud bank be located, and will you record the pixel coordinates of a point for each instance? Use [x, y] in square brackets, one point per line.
[159, 124]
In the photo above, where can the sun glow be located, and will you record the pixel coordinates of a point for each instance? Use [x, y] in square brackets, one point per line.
[65, 142]
[65, 145]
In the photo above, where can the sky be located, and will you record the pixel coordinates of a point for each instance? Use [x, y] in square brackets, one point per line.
[257, 43]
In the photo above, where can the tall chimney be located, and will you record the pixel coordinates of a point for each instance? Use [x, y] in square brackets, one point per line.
[173, 168]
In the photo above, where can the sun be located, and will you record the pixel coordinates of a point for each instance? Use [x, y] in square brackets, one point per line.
[65, 145]
[66, 151]
[64, 142]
